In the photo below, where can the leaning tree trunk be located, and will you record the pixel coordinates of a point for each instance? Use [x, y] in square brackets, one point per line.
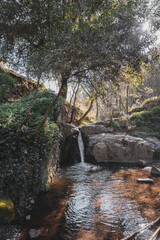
[64, 82]
[127, 97]
[121, 103]
[86, 113]
[72, 113]
[40, 125]
[97, 110]
[69, 108]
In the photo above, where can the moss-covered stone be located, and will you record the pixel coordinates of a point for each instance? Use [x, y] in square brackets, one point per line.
[7, 213]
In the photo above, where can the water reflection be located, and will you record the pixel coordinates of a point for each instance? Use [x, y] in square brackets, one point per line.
[90, 202]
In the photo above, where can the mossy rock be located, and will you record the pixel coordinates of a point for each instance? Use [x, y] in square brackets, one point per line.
[7, 213]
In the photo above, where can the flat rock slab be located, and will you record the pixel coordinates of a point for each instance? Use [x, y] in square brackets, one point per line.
[155, 171]
[145, 180]
[147, 169]
[95, 129]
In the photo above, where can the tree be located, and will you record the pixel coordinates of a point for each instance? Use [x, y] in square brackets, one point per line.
[73, 38]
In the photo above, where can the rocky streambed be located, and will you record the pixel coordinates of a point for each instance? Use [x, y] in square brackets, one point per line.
[91, 202]
[103, 145]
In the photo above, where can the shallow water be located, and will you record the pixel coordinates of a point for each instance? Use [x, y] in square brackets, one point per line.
[92, 202]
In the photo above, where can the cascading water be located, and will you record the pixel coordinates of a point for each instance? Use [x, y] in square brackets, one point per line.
[81, 146]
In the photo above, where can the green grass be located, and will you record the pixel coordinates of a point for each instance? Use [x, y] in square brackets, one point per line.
[153, 115]
[147, 122]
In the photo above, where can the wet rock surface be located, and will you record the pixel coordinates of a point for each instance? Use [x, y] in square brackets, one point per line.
[34, 234]
[107, 147]
[9, 232]
[69, 151]
[155, 171]
[145, 180]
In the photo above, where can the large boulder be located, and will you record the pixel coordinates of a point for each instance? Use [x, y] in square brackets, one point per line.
[69, 150]
[155, 143]
[106, 147]
[155, 171]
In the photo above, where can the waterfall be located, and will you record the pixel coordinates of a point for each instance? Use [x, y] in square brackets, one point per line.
[81, 146]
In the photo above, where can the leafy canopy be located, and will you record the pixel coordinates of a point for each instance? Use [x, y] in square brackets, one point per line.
[66, 36]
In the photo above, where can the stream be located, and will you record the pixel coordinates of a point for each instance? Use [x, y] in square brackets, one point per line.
[94, 202]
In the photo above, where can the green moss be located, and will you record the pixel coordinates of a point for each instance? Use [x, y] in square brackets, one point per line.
[153, 114]
[7, 213]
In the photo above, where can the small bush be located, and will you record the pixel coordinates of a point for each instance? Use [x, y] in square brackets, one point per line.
[115, 125]
[148, 122]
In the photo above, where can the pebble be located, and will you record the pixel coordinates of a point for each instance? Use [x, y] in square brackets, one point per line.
[32, 201]
[28, 217]
[145, 180]
[34, 234]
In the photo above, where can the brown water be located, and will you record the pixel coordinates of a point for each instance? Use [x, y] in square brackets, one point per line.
[94, 203]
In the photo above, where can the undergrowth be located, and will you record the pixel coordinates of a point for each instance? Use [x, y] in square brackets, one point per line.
[22, 161]
[6, 83]
[115, 125]
[148, 121]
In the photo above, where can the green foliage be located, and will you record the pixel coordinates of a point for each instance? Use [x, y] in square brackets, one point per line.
[152, 115]
[6, 83]
[148, 122]
[13, 114]
[23, 161]
[115, 125]
[45, 186]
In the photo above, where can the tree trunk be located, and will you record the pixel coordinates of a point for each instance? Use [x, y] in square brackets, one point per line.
[97, 112]
[27, 78]
[127, 93]
[40, 125]
[70, 104]
[86, 113]
[65, 77]
[74, 104]
[121, 102]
